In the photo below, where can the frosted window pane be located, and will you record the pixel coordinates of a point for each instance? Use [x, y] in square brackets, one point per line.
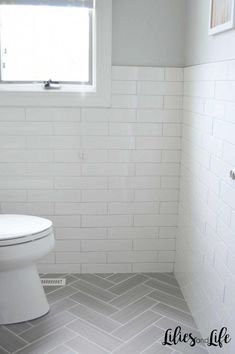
[44, 42]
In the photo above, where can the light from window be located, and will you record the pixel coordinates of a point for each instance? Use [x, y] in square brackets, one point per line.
[39, 43]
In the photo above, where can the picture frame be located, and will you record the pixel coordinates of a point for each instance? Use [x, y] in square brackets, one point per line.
[222, 16]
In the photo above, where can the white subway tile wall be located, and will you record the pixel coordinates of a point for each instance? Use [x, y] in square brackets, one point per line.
[205, 257]
[107, 177]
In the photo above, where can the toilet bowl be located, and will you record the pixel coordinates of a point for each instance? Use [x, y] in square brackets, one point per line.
[24, 239]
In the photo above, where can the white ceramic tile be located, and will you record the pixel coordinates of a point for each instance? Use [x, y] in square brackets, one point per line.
[174, 74]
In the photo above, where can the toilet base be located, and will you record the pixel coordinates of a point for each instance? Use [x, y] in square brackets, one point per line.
[22, 297]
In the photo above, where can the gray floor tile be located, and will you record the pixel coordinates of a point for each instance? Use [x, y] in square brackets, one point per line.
[19, 327]
[130, 296]
[55, 309]
[96, 319]
[95, 280]
[48, 342]
[93, 303]
[60, 294]
[128, 284]
[47, 326]
[62, 349]
[93, 290]
[87, 318]
[140, 342]
[136, 325]
[133, 310]
[117, 278]
[84, 346]
[170, 300]
[175, 314]
[164, 277]
[9, 341]
[93, 334]
[157, 348]
[3, 351]
[169, 289]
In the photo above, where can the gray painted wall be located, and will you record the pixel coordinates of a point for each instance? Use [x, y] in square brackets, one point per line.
[148, 32]
[199, 47]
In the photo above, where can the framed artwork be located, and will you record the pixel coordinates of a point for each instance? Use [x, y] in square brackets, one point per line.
[222, 16]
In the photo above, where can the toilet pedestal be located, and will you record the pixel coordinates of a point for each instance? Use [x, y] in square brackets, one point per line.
[22, 297]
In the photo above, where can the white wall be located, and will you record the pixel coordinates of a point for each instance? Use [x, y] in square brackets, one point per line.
[108, 178]
[205, 262]
[148, 32]
[199, 47]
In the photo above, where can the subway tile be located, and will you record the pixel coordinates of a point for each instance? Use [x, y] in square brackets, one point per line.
[107, 221]
[80, 257]
[80, 208]
[159, 88]
[132, 232]
[173, 102]
[108, 142]
[53, 114]
[106, 245]
[133, 208]
[26, 128]
[23, 155]
[81, 128]
[160, 195]
[159, 115]
[88, 182]
[53, 142]
[174, 74]
[151, 244]
[144, 182]
[108, 169]
[132, 257]
[112, 195]
[12, 114]
[124, 87]
[72, 231]
[155, 220]
[168, 143]
[103, 268]
[108, 115]
[80, 155]
[53, 195]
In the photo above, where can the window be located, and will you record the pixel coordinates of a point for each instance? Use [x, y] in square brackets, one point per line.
[56, 44]
[49, 42]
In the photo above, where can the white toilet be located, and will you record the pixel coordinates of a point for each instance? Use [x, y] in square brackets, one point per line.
[24, 240]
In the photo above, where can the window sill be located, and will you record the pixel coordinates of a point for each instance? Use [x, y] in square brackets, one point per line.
[35, 95]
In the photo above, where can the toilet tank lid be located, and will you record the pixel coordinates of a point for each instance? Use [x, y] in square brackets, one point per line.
[14, 226]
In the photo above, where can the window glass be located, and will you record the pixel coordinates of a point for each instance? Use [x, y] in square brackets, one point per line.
[39, 43]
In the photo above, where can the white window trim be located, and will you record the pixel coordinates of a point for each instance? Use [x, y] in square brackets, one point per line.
[98, 95]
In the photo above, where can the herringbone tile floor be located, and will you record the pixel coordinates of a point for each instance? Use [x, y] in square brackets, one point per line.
[105, 313]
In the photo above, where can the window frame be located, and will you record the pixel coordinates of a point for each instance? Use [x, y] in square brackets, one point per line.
[97, 94]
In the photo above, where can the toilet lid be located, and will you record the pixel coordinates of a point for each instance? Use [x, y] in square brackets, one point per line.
[17, 226]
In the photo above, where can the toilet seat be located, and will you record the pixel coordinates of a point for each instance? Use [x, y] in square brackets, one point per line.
[17, 229]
